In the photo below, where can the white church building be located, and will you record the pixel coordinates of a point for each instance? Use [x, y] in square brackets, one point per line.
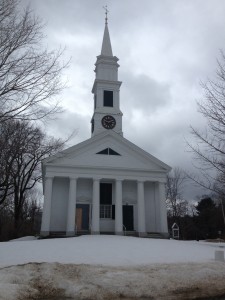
[105, 184]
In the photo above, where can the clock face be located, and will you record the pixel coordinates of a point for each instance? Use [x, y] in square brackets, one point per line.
[108, 122]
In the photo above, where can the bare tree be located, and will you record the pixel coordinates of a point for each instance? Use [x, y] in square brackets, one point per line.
[30, 216]
[9, 146]
[28, 212]
[30, 77]
[209, 148]
[176, 205]
[29, 146]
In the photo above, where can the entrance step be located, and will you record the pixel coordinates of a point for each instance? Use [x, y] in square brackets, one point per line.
[83, 232]
[62, 234]
[130, 233]
[54, 235]
[154, 235]
[57, 233]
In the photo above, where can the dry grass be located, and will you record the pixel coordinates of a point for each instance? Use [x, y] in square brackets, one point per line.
[84, 282]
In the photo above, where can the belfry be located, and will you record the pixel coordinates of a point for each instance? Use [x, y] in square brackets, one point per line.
[105, 184]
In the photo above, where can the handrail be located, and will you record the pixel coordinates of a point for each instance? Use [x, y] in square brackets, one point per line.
[125, 230]
[75, 229]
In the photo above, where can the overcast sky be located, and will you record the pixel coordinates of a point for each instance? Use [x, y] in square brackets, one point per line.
[165, 48]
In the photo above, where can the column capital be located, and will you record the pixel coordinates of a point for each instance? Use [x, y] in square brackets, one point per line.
[96, 178]
[141, 180]
[48, 176]
[73, 177]
[160, 183]
[119, 179]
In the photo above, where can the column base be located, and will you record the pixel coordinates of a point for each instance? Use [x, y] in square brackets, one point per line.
[165, 235]
[70, 233]
[44, 233]
[142, 234]
[95, 232]
[119, 233]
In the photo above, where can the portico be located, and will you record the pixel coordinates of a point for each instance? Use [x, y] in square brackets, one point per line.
[103, 218]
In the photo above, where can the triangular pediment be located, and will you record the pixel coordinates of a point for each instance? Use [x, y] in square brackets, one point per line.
[88, 154]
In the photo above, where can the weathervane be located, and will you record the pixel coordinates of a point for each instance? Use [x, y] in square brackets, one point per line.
[106, 14]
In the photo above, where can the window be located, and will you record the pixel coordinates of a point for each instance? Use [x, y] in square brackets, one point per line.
[105, 193]
[108, 98]
[112, 152]
[108, 151]
[105, 200]
[105, 151]
[106, 211]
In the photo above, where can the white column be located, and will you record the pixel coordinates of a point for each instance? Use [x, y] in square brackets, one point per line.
[95, 207]
[118, 208]
[141, 209]
[71, 213]
[46, 215]
[162, 208]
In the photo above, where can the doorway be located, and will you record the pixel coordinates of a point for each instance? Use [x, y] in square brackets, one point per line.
[79, 218]
[128, 217]
[82, 217]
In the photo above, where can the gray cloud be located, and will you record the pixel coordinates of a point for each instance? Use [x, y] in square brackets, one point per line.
[140, 92]
[165, 48]
[68, 123]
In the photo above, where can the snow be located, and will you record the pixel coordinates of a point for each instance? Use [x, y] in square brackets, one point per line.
[109, 265]
[24, 238]
[106, 250]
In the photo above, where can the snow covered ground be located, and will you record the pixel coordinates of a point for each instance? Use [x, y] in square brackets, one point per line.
[110, 267]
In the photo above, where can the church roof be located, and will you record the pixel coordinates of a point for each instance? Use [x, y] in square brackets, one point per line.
[132, 156]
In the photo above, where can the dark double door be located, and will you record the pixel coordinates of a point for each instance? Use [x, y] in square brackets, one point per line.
[128, 217]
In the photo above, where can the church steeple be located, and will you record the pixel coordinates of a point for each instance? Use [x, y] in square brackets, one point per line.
[106, 44]
[107, 114]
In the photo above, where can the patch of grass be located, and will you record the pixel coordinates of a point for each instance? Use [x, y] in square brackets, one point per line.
[42, 289]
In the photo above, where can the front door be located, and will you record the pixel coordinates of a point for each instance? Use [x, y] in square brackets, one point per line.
[79, 218]
[82, 216]
[128, 217]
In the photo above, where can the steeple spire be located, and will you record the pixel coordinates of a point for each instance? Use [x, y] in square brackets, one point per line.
[106, 89]
[106, 14]
[106, 44]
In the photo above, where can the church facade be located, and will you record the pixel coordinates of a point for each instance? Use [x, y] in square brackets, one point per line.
[105, 184]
